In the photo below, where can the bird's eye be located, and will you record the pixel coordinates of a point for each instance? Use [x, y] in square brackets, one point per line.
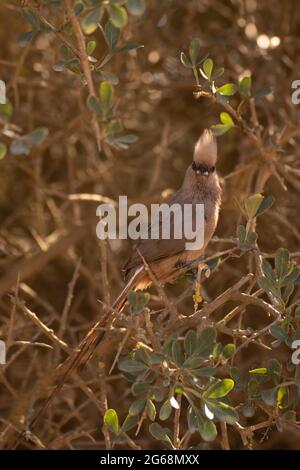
[194, 166]
[212, 169]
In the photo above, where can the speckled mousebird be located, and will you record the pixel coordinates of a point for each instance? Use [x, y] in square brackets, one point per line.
[167, 259]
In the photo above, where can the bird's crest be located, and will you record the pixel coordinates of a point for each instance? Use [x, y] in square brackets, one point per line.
[206, 149]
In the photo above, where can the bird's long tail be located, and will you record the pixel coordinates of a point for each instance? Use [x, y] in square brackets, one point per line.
[88, 344]
[121, 300]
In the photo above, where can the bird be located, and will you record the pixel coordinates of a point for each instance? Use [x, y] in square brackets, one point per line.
[166, 259]
[169, 258]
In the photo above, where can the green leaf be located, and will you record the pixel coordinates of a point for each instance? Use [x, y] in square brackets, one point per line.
[112, 35]
[228, 89]
[229, 350]
[194, 50]
[106, 92]
[20, 147]
[192, 419]
[241, 233]
[283, 397]
[129, 423]
[137, 406]
[282, 259]
[193, 362]
[165, 410]
[207, 430]
[118, 16]
[217, 73]
[269, 396]
[129, 46]
[253, 387]
[220, 129]
[214, 262]
[130, 139]
[237, 376]
[291, 278]
[167, 348]
[274, 367]
[160, 433]
[110, 77]
[157, 358]
[65, 52]
[205, 342]
[204, 372]
[73, 63]
[130, 365]
[137, 300]
[259, 371]
[219, 389]
[265, 204]
[91, 21]
[185, 61]
[226, 119]
[140, 388]
[136, 7]
[245, 86]
[248, 409]
[111, 420]
[90, 47]
[78, 7]
[268, 271]
[25, 38]
[150, 409]
[142, 355]
[114, 126]
[268, 286]
[93, 104]
[223, 411]
[287, 293]
[251, 238]
[207, 67]
[30, 16]
[60, 66]
[38, 136]
[296, 334]
[190, 342]
[157, 393]
[252, 204]
[278, 332]
[6, 111]
[3, 150]
[262, 92]
[177, 353]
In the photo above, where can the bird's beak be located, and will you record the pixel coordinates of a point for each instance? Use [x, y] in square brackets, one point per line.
[197, 172]
[206, 173]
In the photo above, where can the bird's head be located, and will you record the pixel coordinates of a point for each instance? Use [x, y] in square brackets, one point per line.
[205, 155]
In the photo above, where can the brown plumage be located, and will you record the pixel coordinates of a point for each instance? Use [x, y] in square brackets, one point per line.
[167, 259]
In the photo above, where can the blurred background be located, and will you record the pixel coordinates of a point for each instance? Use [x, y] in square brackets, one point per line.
[50, 259]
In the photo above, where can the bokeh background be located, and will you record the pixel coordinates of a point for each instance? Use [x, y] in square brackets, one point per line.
[50, 259]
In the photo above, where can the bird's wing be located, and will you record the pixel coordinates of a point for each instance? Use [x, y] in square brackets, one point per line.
[154, 250]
